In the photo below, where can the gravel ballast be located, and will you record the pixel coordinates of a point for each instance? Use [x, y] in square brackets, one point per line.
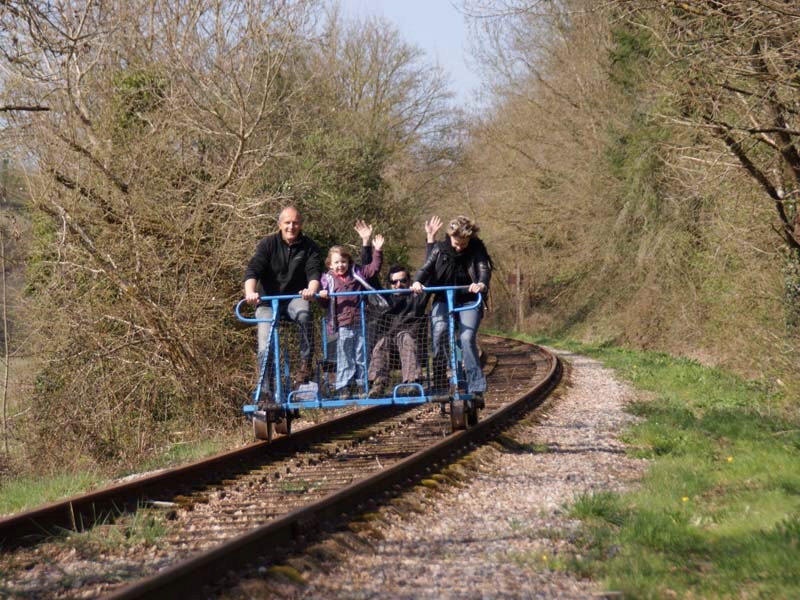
[502, 530]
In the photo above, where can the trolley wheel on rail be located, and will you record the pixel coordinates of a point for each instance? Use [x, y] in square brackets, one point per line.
[471, 410]
[284, 424]
[263, 426]
[458, 418]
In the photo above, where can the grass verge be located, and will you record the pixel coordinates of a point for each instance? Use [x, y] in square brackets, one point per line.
[718, 512]
[26, 492]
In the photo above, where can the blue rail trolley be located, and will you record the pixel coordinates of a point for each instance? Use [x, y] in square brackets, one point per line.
[278, 397]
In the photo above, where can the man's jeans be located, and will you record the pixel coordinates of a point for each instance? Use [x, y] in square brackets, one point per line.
[297, 310]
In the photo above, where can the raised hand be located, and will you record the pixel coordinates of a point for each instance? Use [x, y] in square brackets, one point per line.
[432, 226]
[377, 243]
[364, 231]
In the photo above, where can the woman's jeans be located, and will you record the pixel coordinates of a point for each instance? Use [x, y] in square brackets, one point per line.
[467, 322]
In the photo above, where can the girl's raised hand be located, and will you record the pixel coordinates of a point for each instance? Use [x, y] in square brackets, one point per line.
[377, 242]
[364, 231]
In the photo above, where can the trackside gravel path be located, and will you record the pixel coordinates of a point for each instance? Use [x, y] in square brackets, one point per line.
[501, 530]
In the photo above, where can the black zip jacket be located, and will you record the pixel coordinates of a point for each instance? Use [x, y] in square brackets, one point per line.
[445, 266]
[281, 268]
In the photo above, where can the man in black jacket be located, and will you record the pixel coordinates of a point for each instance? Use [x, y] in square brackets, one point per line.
[285, 262]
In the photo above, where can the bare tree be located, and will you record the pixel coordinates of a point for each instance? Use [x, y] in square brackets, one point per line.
[6, 350]
[377, 127]
[629, 151]
[161, 116]
[533, 159]
[172, 134]
[732, 69]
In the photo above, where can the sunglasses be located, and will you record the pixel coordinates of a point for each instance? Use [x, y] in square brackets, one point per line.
[398, 281]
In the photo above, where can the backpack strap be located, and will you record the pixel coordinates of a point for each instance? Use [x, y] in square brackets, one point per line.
[361, 280]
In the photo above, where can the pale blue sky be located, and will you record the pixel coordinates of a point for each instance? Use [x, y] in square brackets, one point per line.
[433, 25]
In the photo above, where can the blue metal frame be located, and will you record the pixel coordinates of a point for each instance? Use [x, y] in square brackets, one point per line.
[455, 355]
[298, 399]
[273, 341]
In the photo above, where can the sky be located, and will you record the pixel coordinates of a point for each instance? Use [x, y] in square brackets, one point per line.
[433, 25]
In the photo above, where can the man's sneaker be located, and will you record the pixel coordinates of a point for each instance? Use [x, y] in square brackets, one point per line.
[265, 395]
[478, 398]
[378, 389]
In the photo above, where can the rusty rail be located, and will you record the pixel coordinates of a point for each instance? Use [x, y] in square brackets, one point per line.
[291, 531]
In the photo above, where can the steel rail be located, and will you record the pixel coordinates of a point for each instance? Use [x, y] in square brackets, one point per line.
[81, 512]
[289, 532]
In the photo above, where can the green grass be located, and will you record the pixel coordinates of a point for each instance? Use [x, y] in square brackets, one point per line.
[26, 492]
[183, 453]
[144, 527]
[718, 512]
[140, 528]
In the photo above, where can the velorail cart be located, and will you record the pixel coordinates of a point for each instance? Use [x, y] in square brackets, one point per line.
[278, 397]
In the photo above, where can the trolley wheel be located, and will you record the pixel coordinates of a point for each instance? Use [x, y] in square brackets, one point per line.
[263, 427]
[471, 410]
[457, 415]
[284, 425]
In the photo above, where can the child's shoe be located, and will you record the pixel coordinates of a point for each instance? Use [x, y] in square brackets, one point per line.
[378, 389]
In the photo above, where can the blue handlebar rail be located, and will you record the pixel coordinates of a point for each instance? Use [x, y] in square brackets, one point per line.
[439, 288]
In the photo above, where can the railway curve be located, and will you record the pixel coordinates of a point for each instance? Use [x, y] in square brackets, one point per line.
[228, 509]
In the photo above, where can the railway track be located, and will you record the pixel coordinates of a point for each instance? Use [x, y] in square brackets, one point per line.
[262, 501]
